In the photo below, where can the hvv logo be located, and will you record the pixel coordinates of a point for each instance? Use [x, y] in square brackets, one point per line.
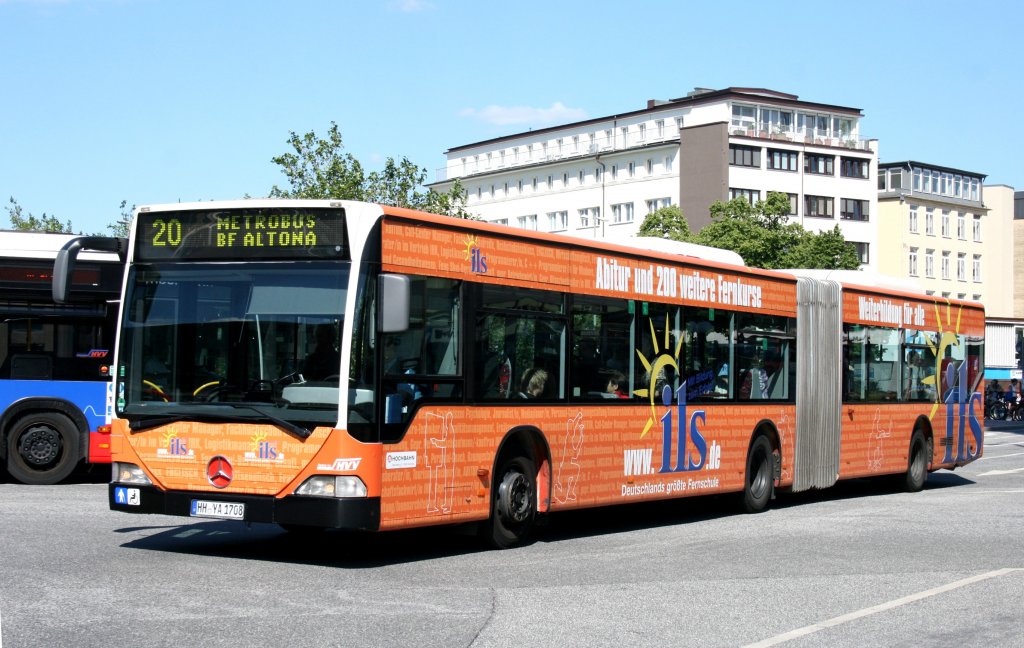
[958, 395]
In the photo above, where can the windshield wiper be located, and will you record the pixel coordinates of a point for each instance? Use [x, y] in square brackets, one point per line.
[288, 426]
[139, 425]
[156, 421]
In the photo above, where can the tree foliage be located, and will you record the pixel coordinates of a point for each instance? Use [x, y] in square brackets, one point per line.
[668, 223]
[121, 226]
[321, 168]
[24, 222]
[762, 235]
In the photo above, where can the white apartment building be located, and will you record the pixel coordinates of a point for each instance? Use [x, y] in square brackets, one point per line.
[601, 177]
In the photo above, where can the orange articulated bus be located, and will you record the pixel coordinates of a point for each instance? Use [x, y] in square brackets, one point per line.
[333, 364]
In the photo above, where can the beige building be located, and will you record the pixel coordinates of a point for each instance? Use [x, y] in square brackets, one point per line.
[944, 228]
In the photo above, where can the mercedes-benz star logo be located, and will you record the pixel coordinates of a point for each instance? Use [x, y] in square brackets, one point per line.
[219, 472]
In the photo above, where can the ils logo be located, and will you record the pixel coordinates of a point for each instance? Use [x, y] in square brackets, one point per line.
[174, 446]
[475, 256]
[692, 449]
[263, 450]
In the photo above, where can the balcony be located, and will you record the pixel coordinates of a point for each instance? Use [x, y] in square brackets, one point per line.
[798, 136]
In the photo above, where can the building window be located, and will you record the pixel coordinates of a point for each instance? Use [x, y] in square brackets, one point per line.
[945, 265]
[961, 267]
[945, 223]
[659, 124]
[643, 133]
[656, 204]
[743, 116]
[977, 229]
[929, 264]
[853, 167]
[793, 202]
[632, 169]
[912, 262]
[668, 163]
[528, 222]
[500, 221]
[650, 167]
[912, 222]
[929, 221]
[625, 135]
[750, 195]
[895, 179]
[818, 206]
[862, 251]
[597, 174]
[976, 268]
[558, 221]
[961, 227]
[851, 209]
[622, 213]
[748, 156]
[783, 160]
[589, 216]
[819, 164]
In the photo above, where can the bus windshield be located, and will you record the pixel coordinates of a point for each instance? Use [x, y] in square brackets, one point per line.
[223, 340]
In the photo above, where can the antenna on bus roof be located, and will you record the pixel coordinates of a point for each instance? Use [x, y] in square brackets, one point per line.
[682, 248]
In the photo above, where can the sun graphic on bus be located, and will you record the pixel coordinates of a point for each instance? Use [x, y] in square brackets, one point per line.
[470, 244]
[664, 357]
[257, 439]
[947, 337]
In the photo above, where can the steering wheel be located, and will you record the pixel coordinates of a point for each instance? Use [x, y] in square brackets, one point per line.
[212, 389]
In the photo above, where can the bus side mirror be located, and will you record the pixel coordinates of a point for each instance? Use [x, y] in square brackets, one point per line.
[64, 264]
[392, 303]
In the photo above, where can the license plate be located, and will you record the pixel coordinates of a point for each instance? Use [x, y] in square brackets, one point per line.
[222, 510]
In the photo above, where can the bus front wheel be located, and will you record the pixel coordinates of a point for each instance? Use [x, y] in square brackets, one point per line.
[42, 448]
[759, 481]
[513, 503]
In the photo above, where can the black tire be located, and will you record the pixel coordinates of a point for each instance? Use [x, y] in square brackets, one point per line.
[998, 411]
[42, 448]
[917, 463]
[513, 503]
[759, 482]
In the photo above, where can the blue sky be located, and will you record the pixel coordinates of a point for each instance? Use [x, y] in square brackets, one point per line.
[155, 101]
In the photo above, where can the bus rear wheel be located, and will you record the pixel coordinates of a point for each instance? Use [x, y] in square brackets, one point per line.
[513, 503]
[758, 482]
[42, 448]
[917, 463]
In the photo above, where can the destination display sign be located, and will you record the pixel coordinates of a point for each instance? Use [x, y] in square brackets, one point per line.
[227, 234]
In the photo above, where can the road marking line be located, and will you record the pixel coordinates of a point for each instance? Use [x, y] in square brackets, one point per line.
[1015, 454]
[853, 616]
[1001, 472]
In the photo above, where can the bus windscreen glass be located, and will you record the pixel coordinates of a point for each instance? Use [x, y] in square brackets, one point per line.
[251, 234]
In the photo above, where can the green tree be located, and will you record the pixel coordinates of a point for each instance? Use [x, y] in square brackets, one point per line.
[320, 168]
[666, 222]
[827, 250]
[762, 235]
[29, 223]
[123, 224]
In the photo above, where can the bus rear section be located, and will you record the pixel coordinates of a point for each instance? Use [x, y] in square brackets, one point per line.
[54, 358]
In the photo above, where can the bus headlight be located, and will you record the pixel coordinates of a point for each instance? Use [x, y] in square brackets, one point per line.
[332, 486]
[128, 473]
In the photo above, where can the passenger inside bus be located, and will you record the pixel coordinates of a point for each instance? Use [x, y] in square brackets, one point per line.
[533, 383]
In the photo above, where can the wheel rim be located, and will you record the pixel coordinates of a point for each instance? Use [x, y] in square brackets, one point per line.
[514, 497]
[40, 446]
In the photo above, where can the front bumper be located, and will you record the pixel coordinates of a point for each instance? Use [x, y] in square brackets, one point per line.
[361, 514]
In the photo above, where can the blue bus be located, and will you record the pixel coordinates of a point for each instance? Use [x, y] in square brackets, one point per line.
[54, 358]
